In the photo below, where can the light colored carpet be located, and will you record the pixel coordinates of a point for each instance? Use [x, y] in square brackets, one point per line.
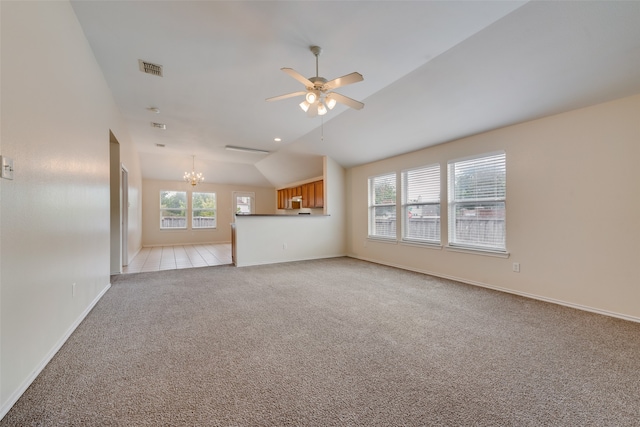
[336, 342]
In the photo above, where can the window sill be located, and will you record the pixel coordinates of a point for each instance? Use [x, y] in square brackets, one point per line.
[429, 245]
[391, 240]
[478, 251]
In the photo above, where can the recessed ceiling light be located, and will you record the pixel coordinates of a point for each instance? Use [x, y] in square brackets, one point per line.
[154, 110]
[277, 139]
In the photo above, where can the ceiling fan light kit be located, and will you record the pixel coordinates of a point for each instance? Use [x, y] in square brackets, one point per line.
[318, 96]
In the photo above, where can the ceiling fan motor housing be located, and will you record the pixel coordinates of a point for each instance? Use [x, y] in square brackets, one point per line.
[318, 82]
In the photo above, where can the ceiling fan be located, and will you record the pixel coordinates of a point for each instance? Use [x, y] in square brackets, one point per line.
[318, 94]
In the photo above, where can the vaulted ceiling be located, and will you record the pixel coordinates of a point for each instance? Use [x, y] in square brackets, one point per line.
[433, 72]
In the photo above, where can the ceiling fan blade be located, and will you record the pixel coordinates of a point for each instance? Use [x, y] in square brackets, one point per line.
[288, 95]
[299, 77]
[347, 101]
[343, 81]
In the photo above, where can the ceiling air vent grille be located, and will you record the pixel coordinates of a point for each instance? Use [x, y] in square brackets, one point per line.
[150, 68]
[158, 125]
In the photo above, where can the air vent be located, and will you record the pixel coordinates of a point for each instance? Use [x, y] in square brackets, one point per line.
[158, 125]
[160, 145]
[149, 68]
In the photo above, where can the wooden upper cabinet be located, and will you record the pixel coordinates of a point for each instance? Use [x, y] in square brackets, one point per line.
[319, 194]
[280, 199]
[312, 194]
[305, 195]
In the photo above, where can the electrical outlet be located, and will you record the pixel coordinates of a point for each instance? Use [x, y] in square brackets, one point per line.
[516, 267]
[73, 290]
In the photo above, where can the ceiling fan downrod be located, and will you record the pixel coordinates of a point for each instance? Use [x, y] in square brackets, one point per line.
[316, 50]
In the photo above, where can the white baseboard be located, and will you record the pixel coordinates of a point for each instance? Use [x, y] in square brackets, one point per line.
[6, 406]
[185, 244]
[509, 291]
[249, 264]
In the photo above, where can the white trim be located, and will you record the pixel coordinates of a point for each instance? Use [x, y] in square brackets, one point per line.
[382, 239]
[508, 291]
[250, 264]
[186, 244]
[478, 251]
[34, 374]
[421, 244]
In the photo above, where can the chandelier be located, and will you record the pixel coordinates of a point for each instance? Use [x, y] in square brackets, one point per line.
[192, 177]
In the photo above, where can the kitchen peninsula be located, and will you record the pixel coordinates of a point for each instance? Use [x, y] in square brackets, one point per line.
[295, 234]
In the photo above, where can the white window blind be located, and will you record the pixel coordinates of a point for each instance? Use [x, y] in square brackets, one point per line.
[382, 206]
[421, 204]
[477, 197]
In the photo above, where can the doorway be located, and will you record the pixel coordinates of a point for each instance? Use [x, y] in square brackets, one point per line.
[124, 214]
[115, 203]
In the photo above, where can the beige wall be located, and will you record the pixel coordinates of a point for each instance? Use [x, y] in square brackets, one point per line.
[573, 210]
[265, 200]
[56, 115]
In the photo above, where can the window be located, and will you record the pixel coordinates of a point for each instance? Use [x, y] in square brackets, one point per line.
[173, 209]
[243, 203]
[421, 204]
[382, 206]
[203, 210]
[477, 194]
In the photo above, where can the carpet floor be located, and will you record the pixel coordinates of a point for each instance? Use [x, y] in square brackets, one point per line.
[335, 342]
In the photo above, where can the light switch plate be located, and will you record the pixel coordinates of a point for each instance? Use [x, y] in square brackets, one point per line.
[7, 167]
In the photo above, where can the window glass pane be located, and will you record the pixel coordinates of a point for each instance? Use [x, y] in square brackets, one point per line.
[173, 199]
[384, 189]
[480, 179]
[243, 205]
[385, 221]
[423, 222]
[382, 206]
[421, 204]
[173, 209]
[480, 224]
[477, 194]
[203, 210]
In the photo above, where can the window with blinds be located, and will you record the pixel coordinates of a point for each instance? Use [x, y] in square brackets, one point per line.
[421, 204]
[382, 206]
[477, 196]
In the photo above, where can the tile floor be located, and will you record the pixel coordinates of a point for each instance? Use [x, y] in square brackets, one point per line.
[175, 257]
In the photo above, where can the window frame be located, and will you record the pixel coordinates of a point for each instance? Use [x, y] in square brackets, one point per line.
[433, 180]
[372, 206]
[498, 203]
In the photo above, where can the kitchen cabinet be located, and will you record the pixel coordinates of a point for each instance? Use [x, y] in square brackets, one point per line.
[312, 194]
[309, 201]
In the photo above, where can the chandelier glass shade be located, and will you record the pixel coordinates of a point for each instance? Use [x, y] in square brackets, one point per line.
[319, 102]
[192, 177]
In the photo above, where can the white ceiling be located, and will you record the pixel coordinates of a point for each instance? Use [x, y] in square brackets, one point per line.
[433, 72]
